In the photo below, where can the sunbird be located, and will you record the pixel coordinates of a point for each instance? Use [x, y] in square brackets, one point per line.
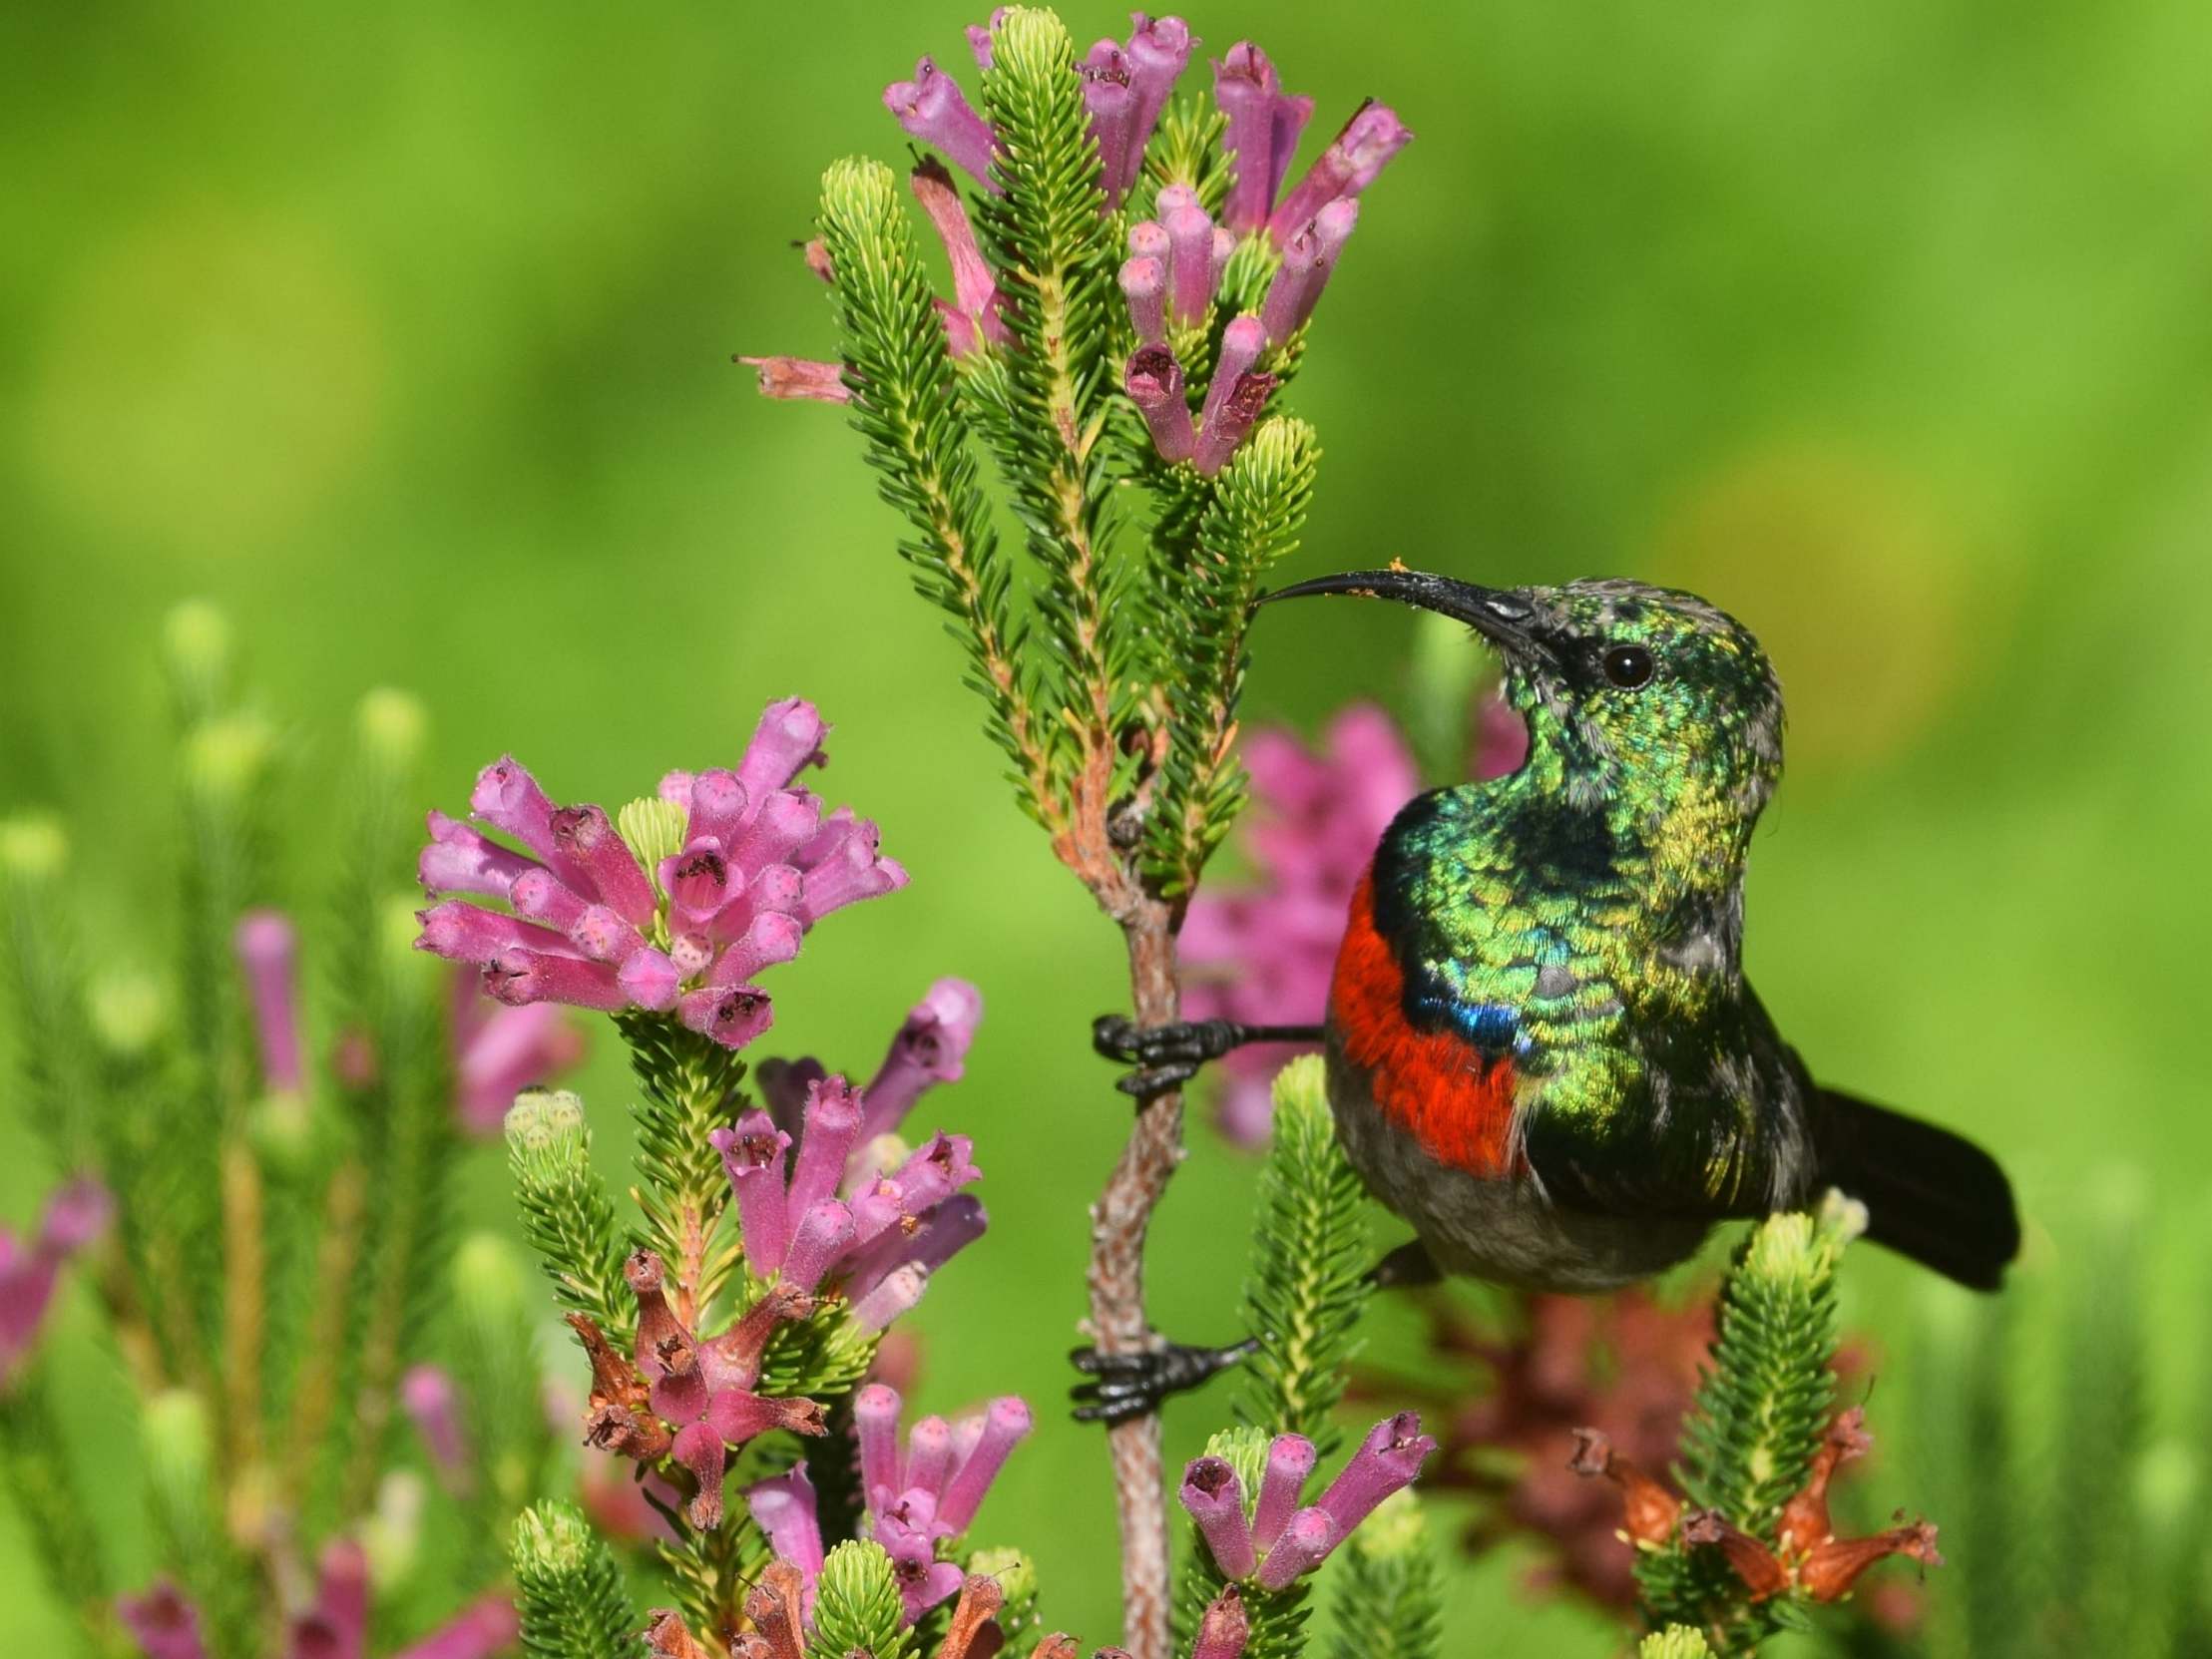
[1541, 1049]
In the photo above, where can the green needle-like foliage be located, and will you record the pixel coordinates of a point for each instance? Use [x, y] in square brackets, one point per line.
[906, 402]
[1250, 523]
[569, 1590]
[564, 1206]
[1760, 1413]
[857, 1608]
[691, 1086]
[1054, 253]
[180, 1452]
[1387, 1603]
[1308, 1284]
[34, 1462]
[496, 1368]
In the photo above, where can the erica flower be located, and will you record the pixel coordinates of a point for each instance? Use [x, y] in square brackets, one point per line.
[430, 1399]
[29, 1268]
[915, 1498]
[1125, 88]
[1264, 953]
[163, 1623]
[676, 909]
[335, 1626]
[487, 1626]
[931, 108]
[810, 1224]
[678, 1397]
[268, 949]
[1804, 1558]
[1264, 124]
[973, 314]
[1277, 1541]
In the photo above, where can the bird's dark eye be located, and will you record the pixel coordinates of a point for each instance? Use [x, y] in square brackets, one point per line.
[1627, 666]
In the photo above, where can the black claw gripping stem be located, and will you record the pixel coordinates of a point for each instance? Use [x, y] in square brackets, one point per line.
[1124, 1386]
[1167, 1056]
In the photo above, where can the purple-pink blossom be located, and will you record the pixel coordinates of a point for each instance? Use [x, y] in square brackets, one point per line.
[268, 949]
[1264, 124]
[335, 1626]
[976, 313]
[163, 1622]
[433, 1403]
[743, 863]
[1263, 954]
[1282, 1541]
[30, 1268]
[932, 109]
[830, 1219]
[930, 1490]
[1353, 160]
[486, 1626]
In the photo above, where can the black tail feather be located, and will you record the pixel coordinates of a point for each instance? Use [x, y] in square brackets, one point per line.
[1930, 1194]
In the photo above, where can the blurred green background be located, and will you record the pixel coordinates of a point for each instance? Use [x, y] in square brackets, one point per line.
[405, 334]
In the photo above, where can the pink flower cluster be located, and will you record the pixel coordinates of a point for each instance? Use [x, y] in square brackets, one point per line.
[915, 1499]
[807, 1221]
[1280, 1541]
[755, 863]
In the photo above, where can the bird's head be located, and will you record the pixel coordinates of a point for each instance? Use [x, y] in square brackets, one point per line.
[1636, 698]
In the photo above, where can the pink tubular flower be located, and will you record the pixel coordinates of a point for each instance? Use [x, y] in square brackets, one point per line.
[433, 1403]
[1264, 124]
[1154, 382]
[931, 1048]
[486, 1626]
[1284, 1543]
[932, 1492]
[336, 1626]
[932, 109]
[1265, 954]
[754, 865]
[163, 1623]
[76, 1215]
[1351, 162]
[976, 311]
[880, 1247]
[268, 949]
[801, 379]
[1125, 88]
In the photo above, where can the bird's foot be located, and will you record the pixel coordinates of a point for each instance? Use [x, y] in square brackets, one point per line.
[1167, 1056]
[1124, 1386]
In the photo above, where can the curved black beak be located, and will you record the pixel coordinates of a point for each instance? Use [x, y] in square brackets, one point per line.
[1502, 614]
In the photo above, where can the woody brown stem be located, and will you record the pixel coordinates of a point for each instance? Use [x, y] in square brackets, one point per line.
[1123, 1215]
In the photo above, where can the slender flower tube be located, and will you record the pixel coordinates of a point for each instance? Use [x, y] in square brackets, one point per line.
[1005, 1426]
[1290, 1458]
[785, 1512]
[976, 296]
[1157, 52]
[1144, 290]
[1305, 1543]
[979, 37]
[875, 1412]
[431, 1400]
[268, 951]
[76, 1215]
[1308, 260]
[1154, 383]
[932, 109]
[931, 1048]
[1387, 1461]
[1236, 395]
[499, 1052]
[485, 1627]
[1190, 258]
[1351, 162]
[1212, 1494]
[1113, 109]
[1241, 343]
[801, 379]
[1264, 124]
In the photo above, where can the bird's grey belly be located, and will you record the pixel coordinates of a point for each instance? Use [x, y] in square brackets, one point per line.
[1502, 1231]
